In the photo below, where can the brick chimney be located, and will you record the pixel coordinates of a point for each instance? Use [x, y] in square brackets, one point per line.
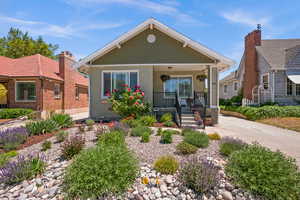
[66, 60]
[251, 72]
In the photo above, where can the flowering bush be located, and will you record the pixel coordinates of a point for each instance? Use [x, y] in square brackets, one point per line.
[21, 169]
[11, 138]
[129, 102]
[72, 146]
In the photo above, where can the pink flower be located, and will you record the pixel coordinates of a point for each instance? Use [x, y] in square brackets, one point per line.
[143, 94]
[125, 85]
[138, 90]
[131, 97]
[137, 87]
[115, 90]
[128, 89]
[136, 103]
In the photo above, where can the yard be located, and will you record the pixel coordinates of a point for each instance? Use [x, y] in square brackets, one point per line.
[132, 159]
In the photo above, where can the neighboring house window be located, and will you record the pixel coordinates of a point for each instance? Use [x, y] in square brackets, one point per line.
[116, 80]
[235, 86]
[298, 89]
[77, 92]
[265, 80]
[56, 90]
[289, 87]
[25, 91]
[225, 88]
[182, 85]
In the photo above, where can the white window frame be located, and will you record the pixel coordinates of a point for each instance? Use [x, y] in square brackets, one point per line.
[113, 71]
[262, 80]
[16, 83]
[225, 92]
[59, 95]
[237, 86]
[178, 76]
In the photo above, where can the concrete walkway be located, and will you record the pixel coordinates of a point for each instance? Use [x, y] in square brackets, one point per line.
[275, 138]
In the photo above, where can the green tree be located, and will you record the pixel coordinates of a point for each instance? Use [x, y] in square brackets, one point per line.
[18, 44]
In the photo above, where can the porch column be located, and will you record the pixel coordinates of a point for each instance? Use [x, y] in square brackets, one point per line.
[213, 93]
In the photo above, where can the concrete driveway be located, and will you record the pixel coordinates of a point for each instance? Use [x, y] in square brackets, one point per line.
[275, 138]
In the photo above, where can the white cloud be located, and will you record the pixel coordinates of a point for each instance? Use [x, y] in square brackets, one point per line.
[167, 7]
[64, 31]
[245, 18]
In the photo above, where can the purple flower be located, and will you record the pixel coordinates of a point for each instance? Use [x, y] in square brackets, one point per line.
[13, 135]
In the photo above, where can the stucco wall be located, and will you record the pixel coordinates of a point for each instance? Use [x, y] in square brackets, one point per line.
[99, 107]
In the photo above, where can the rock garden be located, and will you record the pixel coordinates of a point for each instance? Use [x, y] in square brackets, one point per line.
[131, 159]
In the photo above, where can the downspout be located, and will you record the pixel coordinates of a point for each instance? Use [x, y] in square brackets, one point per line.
[273, 88]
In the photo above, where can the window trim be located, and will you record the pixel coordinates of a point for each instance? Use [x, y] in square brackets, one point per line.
[16, 83]
[112, 71]
[286, 87]
[59, 95]
[237, 86]
[179, 76]
[262, 80]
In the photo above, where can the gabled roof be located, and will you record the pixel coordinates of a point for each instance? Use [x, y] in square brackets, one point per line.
[152, 23]
[274, 51]
[35, 66]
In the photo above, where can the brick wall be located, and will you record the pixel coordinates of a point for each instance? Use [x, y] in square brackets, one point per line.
[251, 72]
[50, 102]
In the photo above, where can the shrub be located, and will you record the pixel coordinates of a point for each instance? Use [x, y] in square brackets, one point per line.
[186, 148]
[22, 169]
[198, 175]
[169, 124]
[128, 102]
[63, 120]
[81, 128]
[266, 173]
[140, 130]
[90, 123]
[214, 136]
[166, 165]
[167, 117]
[166, 137]
[9, 113]
[112, 138]
[198, 139]
[11, 138]
[145, 137]
[72, 146]
[99, 172]
[46, 145]
[4, 157]
[185, 130]
[41, 127]
[61, 136]
[147, 120]
[159, 131]
[229, 145]
[119, 126]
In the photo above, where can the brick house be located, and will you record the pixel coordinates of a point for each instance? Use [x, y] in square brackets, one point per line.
[269, 71]
[43, 84]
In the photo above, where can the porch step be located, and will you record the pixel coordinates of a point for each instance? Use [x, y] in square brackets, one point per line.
[188, 121]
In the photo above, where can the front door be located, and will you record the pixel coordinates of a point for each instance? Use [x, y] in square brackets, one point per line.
[183, 85]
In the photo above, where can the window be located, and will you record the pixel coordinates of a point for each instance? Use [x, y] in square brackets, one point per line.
[265, 81]
[56, 90]
[116, 80]
[289, 87]
[25, 91]
[235, 86]
[225, 88]
[181, 85]
[298, 89]
[77, 92]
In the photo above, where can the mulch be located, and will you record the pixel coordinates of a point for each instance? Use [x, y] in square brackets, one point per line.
[233, 114]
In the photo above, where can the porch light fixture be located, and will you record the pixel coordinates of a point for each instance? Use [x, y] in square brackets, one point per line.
[164, 77]
[201, 77]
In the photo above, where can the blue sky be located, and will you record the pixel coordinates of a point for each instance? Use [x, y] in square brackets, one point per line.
[83, 26]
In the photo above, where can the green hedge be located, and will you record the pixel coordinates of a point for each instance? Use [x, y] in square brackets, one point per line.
[265, 112]
[10, 113]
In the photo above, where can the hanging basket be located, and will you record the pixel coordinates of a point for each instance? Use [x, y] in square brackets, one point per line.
[164, 77]
[201, 77]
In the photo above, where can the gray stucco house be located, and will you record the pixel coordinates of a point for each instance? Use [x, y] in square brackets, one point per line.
[145, 54]
[269, 71]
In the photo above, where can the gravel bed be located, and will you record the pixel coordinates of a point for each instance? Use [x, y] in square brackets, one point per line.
[149, 152]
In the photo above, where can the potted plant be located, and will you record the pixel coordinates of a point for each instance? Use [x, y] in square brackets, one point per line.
[201, 77]
[164, 77]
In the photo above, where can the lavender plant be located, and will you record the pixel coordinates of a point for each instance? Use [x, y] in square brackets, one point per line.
[119, 126]
[22, 168]
[11, 138]
[199, 175]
